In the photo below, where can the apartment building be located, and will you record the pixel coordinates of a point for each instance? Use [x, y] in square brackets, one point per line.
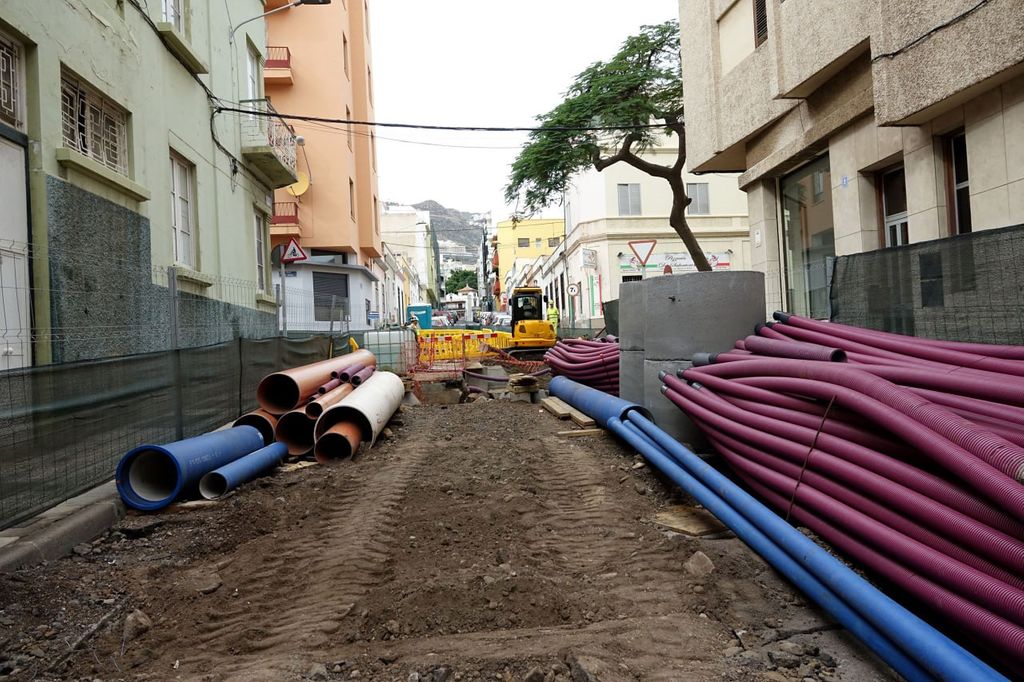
[606, 210]
[115, 165]
[519, 242]
[332, 210]
[409, 234]
[856, 126]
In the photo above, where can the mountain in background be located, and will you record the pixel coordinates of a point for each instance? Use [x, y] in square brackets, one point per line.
[453, 225]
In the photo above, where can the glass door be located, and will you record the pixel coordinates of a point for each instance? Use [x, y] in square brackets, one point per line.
[808, 237]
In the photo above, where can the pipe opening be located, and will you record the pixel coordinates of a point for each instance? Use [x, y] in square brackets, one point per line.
[213, 485]
[153, 475]
[314, 409]
[260, 423]
[295, 430]
[278, 393]
[332, 446]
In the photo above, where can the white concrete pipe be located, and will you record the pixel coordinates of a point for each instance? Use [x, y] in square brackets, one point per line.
[369, 407]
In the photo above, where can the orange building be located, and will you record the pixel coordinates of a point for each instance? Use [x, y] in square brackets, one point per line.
[319, 64]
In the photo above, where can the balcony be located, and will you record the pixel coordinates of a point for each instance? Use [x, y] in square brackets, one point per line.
[268, 143]
[285, 221]
[277, 70]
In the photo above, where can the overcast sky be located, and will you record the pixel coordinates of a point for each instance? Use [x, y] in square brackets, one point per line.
[480, 62]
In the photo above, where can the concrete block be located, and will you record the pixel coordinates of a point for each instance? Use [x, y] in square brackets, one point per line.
[58, 538]
[700, 312]
[631, 375]
[631, 315]
[670, 418]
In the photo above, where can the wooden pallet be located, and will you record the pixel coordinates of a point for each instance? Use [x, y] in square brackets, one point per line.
[581, 433]
[556, 407]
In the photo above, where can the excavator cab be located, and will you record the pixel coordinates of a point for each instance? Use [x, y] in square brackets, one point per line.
[531, 331]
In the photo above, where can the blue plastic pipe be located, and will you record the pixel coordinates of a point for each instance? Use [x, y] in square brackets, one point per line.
[771, 553]
[150, 477]
[220, 482]
[932, 651]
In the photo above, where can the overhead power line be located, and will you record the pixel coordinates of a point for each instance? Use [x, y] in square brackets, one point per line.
[419, 126]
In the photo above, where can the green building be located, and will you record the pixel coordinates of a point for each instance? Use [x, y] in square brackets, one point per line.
[117, 163]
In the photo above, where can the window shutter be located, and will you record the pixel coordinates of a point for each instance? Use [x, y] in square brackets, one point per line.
[760, 21]
[326, 285]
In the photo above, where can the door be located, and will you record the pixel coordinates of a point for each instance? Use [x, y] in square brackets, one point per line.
[15, 317]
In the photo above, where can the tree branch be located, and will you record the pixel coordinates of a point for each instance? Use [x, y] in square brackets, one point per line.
[626, 155]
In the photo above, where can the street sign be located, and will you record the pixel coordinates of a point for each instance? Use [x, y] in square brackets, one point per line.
[642, 249]
[373, 315]
[293, 252]
[573, 289]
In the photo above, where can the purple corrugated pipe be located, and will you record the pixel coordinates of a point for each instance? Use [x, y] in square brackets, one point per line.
[793, 349]
[929, 427]
[329, 386]
[938, 489]
[1006, 638]
[845, 492]
[999, 547]
[908, 346]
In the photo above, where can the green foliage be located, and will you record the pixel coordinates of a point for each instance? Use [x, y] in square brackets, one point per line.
[459, 279]
[643, 81]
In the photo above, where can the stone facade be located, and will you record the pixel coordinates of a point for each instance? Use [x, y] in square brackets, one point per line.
[886, 92]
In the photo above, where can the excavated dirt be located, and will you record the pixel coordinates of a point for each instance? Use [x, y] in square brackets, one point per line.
[473, 544]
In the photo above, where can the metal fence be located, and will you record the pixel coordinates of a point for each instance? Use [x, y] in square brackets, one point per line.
[64, 427]
[964, 288]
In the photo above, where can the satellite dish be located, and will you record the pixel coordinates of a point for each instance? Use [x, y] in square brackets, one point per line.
[300, 186]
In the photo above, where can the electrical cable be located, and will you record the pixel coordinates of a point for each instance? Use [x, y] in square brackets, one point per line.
[419, 126]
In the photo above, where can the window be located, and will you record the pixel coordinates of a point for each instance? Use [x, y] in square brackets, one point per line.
[959, 184]
[629, 199]
[260, 227]
[537, 242]
[373, 150]
[553, 241]
[698, 193]
[252, 72]
[348, 126]
[183, 210]
[330, 293]
[894, 207]
[369, 82]
[366, 302]
[818, 185]
[631, 278]
[376, 217]
[93, 124]
[760, 21]
[344, 53]
[12, 84]
[524, 243]
[174, 14]
[352, 198]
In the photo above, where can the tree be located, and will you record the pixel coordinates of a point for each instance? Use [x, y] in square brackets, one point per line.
[459, 279]
[606, 119]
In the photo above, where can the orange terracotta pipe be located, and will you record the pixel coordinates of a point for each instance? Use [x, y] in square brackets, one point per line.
[338, 442]
[316, 407]
[264, 422]
[283, 391]
[295, 430]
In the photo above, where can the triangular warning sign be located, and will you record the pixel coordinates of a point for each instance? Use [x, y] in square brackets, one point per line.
[293, 252]
[642, 249]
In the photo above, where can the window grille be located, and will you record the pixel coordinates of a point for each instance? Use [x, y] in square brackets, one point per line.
[12, 93]
[94, 125]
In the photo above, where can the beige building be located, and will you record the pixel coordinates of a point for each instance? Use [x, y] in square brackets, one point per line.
[856, 125]
[606, 210]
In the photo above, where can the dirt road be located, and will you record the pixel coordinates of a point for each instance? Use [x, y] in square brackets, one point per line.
[474, 544]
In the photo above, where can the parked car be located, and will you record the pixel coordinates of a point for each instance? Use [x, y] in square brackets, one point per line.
[439, 321]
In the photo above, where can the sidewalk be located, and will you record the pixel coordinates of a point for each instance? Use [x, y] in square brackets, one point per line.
[53, 533]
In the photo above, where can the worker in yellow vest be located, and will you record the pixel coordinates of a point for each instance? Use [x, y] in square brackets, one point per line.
[553, 316]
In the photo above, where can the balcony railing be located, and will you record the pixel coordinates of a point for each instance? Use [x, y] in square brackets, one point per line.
[278, 57]
[269, 142]
[285, 213]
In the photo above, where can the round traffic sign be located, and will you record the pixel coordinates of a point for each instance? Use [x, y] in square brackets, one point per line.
[573, 289]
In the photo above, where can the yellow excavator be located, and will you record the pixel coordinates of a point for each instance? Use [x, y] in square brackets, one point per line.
[532, 334]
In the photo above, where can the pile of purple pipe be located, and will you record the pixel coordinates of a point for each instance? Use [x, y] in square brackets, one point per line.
[593, 363]
[905, 454]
